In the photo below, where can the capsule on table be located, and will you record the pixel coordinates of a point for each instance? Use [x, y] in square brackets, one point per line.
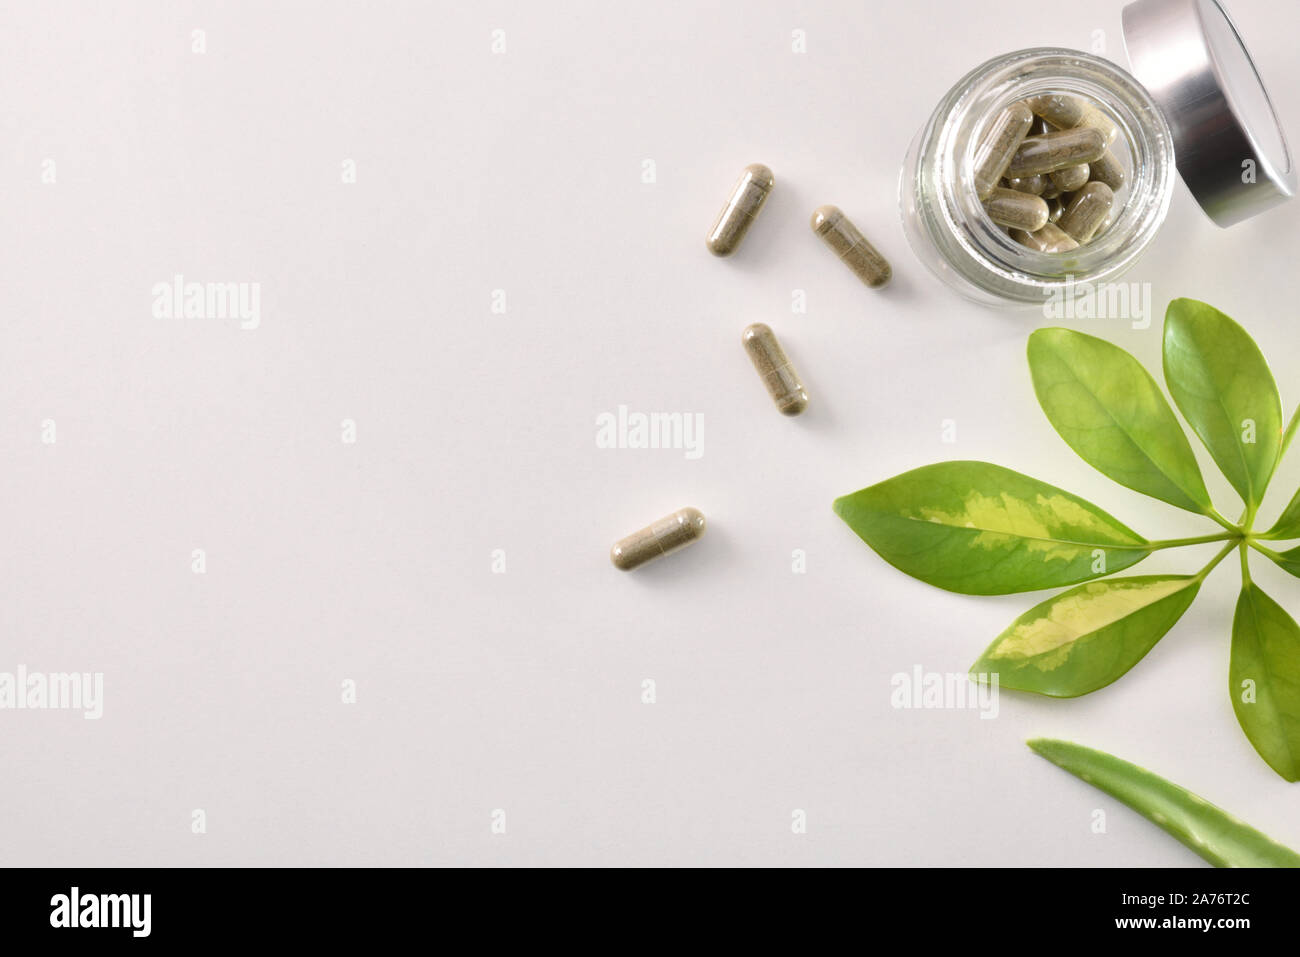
[1071, 178]
[847, 242]
[1087, 211]
[747, 199]
[1028, 184]
[774, 369]
[1000, 143]
[1009, 207]
[1053, 151]
[1048, 239]
[1059, 110]
[1108, 170]
[657, 539]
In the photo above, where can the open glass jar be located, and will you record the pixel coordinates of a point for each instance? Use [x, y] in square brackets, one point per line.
[1203, 104]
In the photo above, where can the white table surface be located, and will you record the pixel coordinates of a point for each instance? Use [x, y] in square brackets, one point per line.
[475, 431]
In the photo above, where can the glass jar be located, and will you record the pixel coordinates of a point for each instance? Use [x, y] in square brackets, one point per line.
[945, 221]
[1190, 110]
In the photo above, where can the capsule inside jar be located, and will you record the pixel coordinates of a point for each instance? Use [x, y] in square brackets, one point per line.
[945, 221]
[1067, 157]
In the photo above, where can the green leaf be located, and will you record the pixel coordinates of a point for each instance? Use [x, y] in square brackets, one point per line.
[1264, 679]
[1085, 638]
[1288, 561]
[980, 529]
[1111, 412]
[1288, 526]
[1210, 831]
[1223, 387]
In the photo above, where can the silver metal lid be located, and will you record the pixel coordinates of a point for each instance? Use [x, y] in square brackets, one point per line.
[1228, 143]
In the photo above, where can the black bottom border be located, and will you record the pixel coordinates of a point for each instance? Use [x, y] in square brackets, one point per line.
[366, 906]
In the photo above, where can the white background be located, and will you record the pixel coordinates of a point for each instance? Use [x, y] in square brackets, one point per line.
[326, 561]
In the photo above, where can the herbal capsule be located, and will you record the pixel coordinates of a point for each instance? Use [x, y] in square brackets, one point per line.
[1071, 178]
[835, 229]
[1097, 120]
[747, 199]
[1028, 184]
[1108, 170]
[1087, 211]
[1053, 151]
[1066, 112]
[1049, 239]
[1060, 111]
[1055, 208]
[1008, 207]
[774, 369]
[1040, 126]
[1105, 224]
[1051, 190]
[999, 145]
[658, 538]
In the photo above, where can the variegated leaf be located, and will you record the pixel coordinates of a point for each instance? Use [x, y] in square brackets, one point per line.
[981, 529]
[1087, 637]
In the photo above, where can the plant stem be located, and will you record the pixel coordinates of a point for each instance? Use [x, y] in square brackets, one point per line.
[1245, 565]
[1198, 540]
[1214, 514]
[1215, 560]
[1262, 549]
